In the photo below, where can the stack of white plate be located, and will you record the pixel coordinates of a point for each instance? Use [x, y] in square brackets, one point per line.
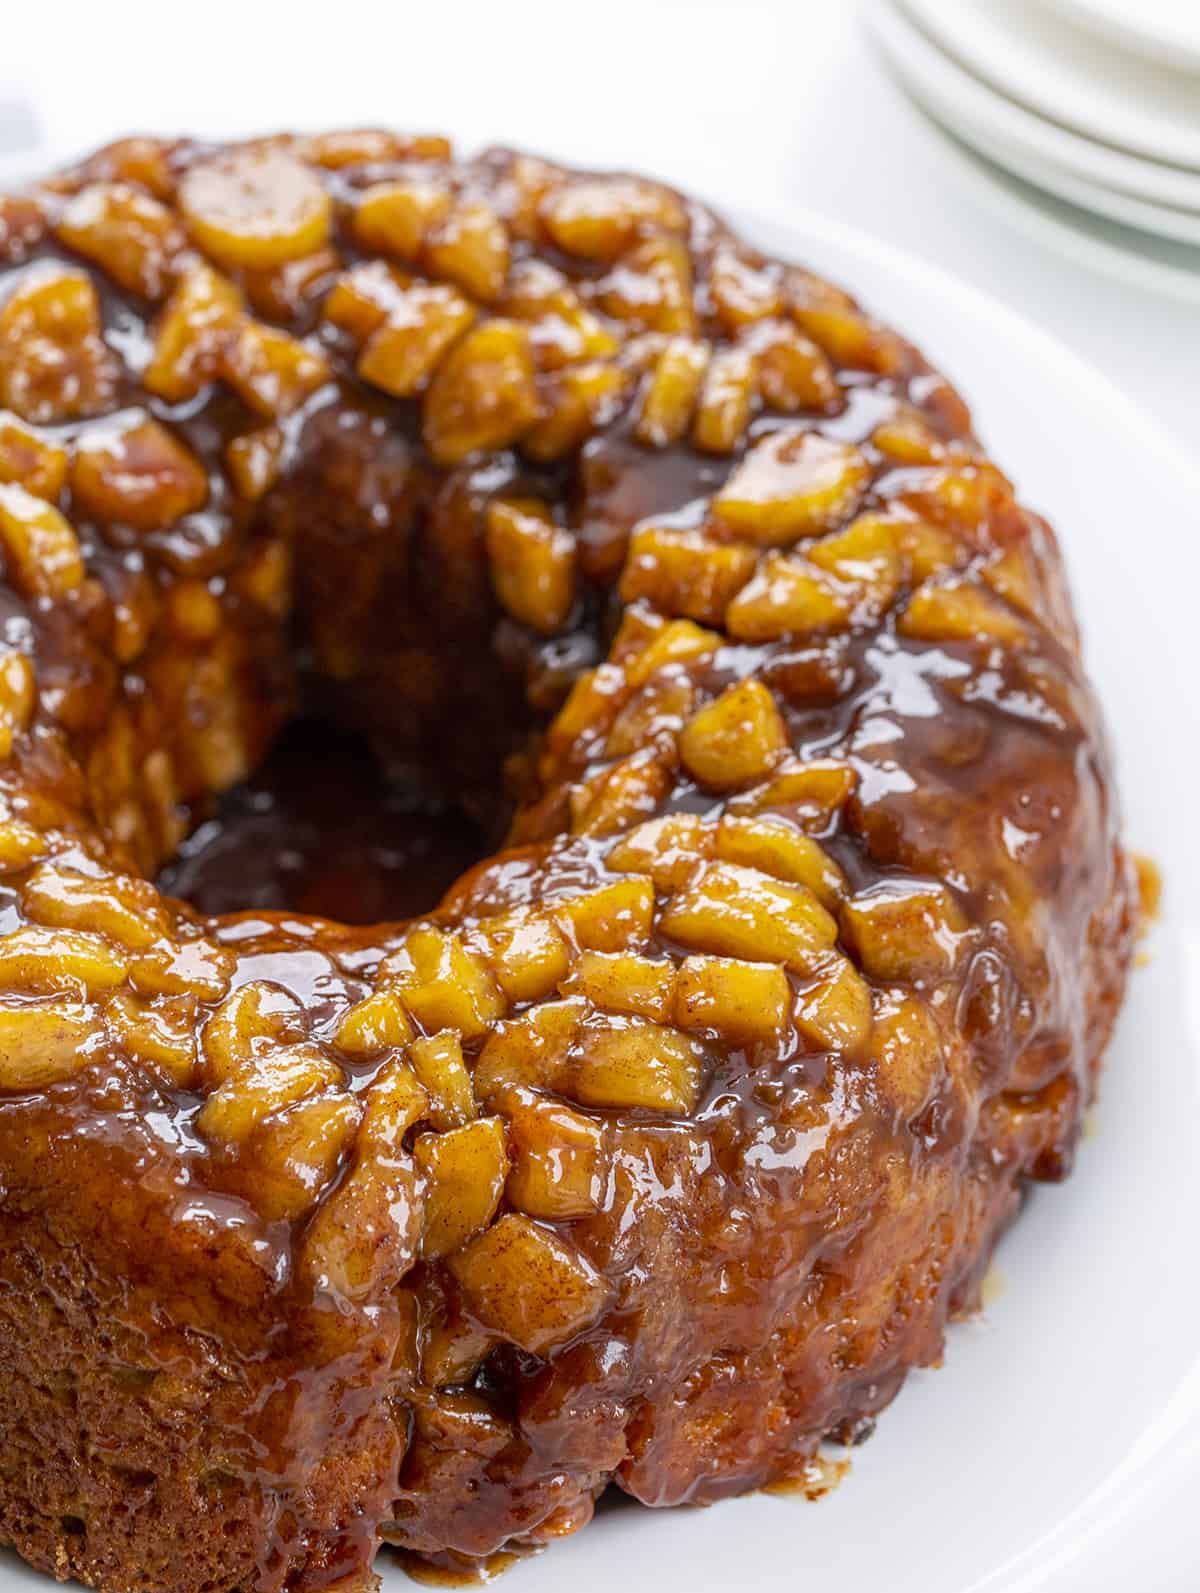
[1094, 102]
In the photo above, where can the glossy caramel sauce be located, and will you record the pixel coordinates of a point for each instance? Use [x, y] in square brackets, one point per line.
[429, 1574]
[817, 1477]
[1150, 891]
[319, 829]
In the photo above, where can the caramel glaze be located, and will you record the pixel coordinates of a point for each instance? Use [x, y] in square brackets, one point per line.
[775, 1261]
[318, 832]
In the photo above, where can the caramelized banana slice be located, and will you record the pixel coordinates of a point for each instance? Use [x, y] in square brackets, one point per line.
[255, 208]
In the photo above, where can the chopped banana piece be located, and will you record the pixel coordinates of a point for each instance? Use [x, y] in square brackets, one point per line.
[464, 1169]
[528, 1284]
[255, 207]
[730, 911]
[627, 1063]
[623, 982]
[905, 929]
[532, 564]
[560, 1158]
[790, 485]
[442, 983]
[741, 1001]
[735, 740]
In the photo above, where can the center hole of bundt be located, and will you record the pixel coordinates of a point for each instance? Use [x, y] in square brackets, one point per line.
[318, 829]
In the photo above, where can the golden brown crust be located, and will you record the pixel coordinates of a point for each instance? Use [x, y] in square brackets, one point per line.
[672, 1139]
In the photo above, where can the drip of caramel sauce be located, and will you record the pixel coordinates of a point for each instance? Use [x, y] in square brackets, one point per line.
[1150, 890]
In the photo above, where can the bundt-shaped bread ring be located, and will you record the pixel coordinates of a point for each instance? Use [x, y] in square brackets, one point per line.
[670, 1141]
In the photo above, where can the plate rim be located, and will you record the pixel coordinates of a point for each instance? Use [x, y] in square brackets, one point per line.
[1110, 203]
[1018, 126]
[1080, 235]
[1155, 45]
[965, 33]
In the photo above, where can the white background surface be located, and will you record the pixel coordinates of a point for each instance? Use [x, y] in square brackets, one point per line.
[1059, 1449]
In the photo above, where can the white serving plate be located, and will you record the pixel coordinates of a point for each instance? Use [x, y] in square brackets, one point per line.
[1141, 260]
[1128, 210]
[1144, 193]
[1059, 1447]
[1159, 30]
[1070, 75]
